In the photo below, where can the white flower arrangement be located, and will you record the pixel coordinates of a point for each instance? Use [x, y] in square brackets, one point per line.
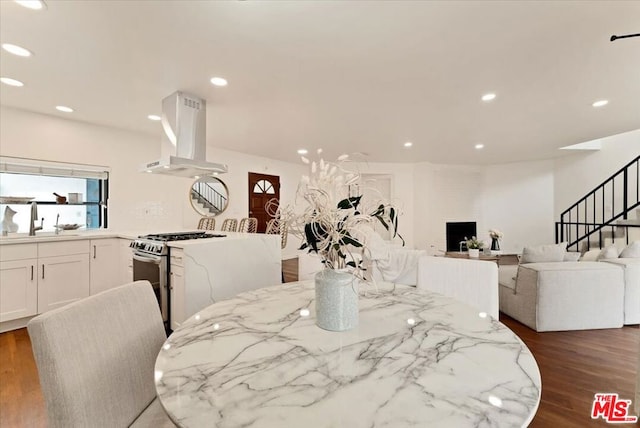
[329, 220]
[474, 243]
[495, 234]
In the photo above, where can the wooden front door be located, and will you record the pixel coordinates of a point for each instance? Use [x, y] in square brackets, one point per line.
[262, 189]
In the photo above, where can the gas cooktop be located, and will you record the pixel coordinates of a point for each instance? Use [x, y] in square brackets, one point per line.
[179, 236]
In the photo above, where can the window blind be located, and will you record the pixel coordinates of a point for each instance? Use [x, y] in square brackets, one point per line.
[55, 169]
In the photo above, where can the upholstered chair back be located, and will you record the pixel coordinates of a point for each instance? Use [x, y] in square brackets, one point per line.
[96, 357]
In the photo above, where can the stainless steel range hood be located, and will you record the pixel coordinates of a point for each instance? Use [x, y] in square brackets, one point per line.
[183, 147]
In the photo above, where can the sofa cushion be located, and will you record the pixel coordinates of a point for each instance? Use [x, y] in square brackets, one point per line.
[632, 251]
[544, 253]
[507, 276]
[609, 252]
[590, 256]
[571, 256]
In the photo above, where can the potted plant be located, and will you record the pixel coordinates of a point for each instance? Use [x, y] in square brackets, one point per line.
[474, 246]
[331, 222]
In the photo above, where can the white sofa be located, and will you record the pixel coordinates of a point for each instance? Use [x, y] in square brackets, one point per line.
[631, 268]
[557, 296]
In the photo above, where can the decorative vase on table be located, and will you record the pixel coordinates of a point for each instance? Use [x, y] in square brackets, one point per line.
[495, 246]
[336, 300]
[474, 253]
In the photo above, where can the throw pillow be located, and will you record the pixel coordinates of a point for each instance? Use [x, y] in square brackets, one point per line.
[631, 251]
[610, 252]
[571, 256]
[590, 256]
[544, 253]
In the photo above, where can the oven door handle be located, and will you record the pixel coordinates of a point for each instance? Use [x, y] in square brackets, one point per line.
[147, 259]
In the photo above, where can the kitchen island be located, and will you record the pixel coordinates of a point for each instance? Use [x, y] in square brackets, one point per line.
[205, 271]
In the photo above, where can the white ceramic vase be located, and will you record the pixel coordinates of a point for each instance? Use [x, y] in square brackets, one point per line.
[8, 225]
[474, 253]
[336, 300]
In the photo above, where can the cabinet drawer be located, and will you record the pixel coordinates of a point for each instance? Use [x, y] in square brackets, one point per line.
[18, 252]
[177, 257]
[51, 249]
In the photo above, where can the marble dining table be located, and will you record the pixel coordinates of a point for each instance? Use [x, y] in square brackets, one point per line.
[416, 359]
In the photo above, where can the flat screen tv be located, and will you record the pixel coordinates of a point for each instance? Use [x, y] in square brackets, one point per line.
[457, 231]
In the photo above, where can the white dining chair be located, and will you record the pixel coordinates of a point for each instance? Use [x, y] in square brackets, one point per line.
[472, 282]
[96, 358]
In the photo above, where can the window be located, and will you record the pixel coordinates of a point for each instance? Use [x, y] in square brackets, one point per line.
[86, 188]
[264, 186]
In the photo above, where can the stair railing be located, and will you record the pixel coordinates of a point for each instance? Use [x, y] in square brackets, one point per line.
[209, 197]
[602, 208]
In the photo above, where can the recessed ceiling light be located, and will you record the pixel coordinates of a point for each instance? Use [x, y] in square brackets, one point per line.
[32, 4]
[408, 144]
[11, 82]
[16, 50]
[154, 117]
[218, 81]
[64, 109]
[303, 151]
[488, 97]
[479, 146]
[600, 103]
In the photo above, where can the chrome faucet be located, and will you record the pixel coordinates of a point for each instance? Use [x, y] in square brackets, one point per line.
[56, 227]
[34, 218]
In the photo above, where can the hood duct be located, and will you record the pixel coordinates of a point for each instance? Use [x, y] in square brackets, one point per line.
[184, 143]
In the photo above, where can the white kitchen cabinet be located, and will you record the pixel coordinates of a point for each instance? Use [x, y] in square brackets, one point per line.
[18, 282]
[62, 280]
[126, 261]
[63, 273]
[104, 265]
[176, 296]
[177, 309]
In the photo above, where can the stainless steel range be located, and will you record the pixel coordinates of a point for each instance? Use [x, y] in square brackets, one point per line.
[150, 262]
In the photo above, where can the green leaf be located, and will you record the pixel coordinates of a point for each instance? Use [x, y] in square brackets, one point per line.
[348, 240]
[348, 203]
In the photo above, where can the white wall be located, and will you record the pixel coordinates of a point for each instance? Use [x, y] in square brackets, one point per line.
[577, 175]
[518, 201]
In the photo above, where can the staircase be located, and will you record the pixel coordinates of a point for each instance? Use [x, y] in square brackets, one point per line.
[608, 214]
[208, 197]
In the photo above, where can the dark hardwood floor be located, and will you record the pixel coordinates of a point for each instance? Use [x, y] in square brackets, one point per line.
[574, 366]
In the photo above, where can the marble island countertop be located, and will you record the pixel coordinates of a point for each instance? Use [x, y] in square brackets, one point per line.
[416, 359]
[73, 235]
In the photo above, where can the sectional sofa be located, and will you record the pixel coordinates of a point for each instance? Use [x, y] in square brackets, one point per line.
[551, 290]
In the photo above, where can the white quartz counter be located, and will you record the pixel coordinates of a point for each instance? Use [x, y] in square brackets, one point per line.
[74, 235]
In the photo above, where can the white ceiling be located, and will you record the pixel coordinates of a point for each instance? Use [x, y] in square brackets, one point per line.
[354, 76]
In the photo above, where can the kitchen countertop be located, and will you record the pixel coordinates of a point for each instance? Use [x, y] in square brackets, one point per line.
[74, 235]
